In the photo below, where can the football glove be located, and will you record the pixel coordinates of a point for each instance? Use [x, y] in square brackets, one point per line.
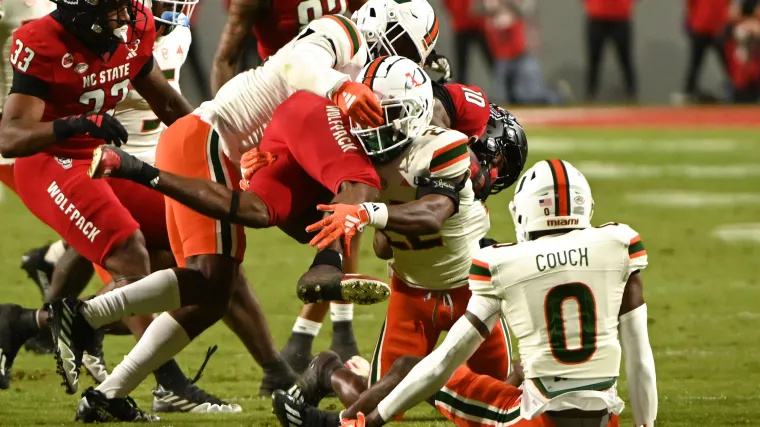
[438, 68]
[97, 125]
[345, 222]
[253, 160]
[359, 103]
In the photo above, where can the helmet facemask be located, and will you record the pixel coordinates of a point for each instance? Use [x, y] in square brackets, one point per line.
[170, 14]
[103, 24]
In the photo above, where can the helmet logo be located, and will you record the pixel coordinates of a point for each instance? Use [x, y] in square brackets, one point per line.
[579, 200]
[411, 82]
[67, 61]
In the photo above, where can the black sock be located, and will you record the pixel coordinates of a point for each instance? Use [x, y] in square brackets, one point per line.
[27, 324]
[301, 341]
[328, 419]
[169, 374]
[277, 365]
[343, 331]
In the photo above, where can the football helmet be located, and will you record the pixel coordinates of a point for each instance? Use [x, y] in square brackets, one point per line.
[171, 13]
[552, 195]
[501, 151]
[102, 24]
[406, 97]
[398, 27]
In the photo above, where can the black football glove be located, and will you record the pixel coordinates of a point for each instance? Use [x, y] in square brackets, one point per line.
[97, 125]
[438, 68]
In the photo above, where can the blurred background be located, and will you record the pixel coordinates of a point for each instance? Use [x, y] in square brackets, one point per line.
[541, 52]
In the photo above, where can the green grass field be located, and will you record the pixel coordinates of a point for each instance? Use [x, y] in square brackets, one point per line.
[693, 196]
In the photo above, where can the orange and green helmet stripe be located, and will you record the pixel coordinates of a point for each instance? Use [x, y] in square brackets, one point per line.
[448, 155]
[561, 187]
[350, 30]
[432, 33]
[369, 76]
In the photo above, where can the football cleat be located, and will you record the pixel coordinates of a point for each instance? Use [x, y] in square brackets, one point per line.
[94, 407]
[93, 360]
[292, 412]
[39, 270]
[314, 384]
[15, 328]
[105, 161]
[71, 336]
[188, 397]
[364, 290]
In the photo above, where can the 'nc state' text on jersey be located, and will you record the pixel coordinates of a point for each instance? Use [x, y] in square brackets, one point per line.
[574, 257]
[86, 227]
[338, 128]
[106, 76]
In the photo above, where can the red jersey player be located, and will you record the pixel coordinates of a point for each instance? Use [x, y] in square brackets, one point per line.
[274, 23]
[71, 68]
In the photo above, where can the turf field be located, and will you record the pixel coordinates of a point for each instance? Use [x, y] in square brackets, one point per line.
[693, 195]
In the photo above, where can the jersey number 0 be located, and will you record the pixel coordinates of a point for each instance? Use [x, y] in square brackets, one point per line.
[555, 322]
[309, 10]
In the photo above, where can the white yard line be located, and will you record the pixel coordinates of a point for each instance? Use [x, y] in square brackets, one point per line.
[582, 145]
[608, 170]
[689, 199]
[735, 233]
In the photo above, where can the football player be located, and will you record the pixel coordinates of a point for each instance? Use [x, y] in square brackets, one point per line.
[430, 217]
[71, 69]
[273, 23]
[573, 295]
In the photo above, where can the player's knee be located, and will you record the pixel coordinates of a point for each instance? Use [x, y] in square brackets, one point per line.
[129, 258]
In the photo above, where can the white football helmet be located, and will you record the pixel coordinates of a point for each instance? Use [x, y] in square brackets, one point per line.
[552, 195]
[398, 27]
[406, 97]
[173, 13]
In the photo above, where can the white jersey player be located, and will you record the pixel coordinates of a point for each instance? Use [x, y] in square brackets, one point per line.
[14, 14]
[571, 293]
[170, 51]
[323, 59]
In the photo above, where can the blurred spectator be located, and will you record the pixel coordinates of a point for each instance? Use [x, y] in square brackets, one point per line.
[706, 21]
[742, 52]
[468, 31]
[517, 77]
[610, 19]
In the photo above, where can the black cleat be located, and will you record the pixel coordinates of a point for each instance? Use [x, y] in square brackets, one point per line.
[185, 396]
[93, 359]
[39, 270]
[314, 384]
[94, 407]
[281, 377]
[291, 412]
[16, 326]
[71, 336]
[297, 352]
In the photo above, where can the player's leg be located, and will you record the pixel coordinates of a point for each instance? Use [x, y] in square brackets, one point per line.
[17, 325]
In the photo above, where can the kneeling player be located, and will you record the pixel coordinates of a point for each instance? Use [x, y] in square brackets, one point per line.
[579, 284]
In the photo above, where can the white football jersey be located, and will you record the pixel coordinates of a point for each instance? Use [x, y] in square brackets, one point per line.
[329, 51]
[561, 297]
[439, 261]
[14, 13]
[134, 113]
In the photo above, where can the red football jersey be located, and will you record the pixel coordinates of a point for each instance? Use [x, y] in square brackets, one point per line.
[80, 81]
[472, 109]
[287, 18]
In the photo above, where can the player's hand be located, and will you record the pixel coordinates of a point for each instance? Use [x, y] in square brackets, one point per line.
[253, 160]
[345, 222]
[438, 67]
[97, 125]
[360, 103]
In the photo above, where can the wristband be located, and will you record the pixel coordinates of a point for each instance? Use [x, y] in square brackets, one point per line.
[328, 257]
[378, 214]
[147, 176]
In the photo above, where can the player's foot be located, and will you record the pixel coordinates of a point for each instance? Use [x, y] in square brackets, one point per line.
[297, 351]
[71, 336]
[327, 283]
[17, 324]
[94, 407]
[39, 270]
[279, 376]
[188, 397]
[42, 343]
[94, 360]
[293, 412]
[314, 384]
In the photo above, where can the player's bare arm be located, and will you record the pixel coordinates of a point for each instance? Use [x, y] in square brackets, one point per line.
[168, 104]
[440, 116]
[21, 132]
[240, 19]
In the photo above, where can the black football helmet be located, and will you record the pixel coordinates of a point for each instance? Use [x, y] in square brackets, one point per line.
[502, 151]
[92, 21]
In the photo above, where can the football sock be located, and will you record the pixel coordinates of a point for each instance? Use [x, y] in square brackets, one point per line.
[28, 325]
[155, 293]
[341, 312]
[306, 327]
[55, 252]
[342, 316]
[169, 373]
[163, 339]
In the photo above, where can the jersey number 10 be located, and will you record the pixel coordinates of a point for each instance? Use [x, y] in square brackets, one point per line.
[555, 322]
[309, 10]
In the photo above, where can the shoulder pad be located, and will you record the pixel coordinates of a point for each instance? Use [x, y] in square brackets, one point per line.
[341, 32]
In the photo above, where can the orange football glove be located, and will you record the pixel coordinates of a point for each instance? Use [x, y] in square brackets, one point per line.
[253, 160]
[360, 103]
[345, 222]
[358, 422]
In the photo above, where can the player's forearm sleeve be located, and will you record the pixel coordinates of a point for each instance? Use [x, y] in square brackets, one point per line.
[309, 67]
[639, 366]
[432, 372]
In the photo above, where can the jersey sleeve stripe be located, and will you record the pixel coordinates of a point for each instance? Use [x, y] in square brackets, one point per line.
[561, 187]
[480, 271]
[636, 248]
[169, 74]
[350, 29]
[448, 155]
